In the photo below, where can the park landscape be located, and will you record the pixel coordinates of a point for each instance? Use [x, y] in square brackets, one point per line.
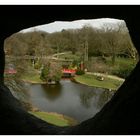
[66, 76]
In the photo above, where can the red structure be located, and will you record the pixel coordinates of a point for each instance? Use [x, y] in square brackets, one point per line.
[70, 71]
[10, 71]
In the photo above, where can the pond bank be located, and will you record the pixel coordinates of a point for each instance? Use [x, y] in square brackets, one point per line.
[33, 82]
[78, 101]
[55, 118]
[32, 79]
[106, 75]
[91, 80]
[50, 117]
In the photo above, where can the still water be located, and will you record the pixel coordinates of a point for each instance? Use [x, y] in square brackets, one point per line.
[69, 98]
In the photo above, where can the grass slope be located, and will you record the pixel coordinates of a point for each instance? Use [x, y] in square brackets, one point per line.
[54, 118]
[32, 78]
[91, 80]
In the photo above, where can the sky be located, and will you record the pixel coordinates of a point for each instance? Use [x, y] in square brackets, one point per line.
[77, 24]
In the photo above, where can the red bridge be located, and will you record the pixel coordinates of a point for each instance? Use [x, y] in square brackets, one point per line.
[68, 72]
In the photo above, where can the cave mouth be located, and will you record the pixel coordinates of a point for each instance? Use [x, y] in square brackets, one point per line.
[33, 50]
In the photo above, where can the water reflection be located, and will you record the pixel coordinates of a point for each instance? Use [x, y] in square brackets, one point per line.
[96, 97]
[72, 99]
[52, 91]
[104, 98]
[86, 98]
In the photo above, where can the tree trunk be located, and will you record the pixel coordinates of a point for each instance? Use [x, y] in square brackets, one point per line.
[113, 59]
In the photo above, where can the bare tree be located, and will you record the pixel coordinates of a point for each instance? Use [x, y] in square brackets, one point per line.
[113, 40]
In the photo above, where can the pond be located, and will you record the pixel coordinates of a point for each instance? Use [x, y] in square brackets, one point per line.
[75, 100]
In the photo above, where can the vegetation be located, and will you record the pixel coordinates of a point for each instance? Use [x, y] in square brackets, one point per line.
[32, 79]
[105, 51]
[92, 80]
[101, 51]
[122, 68]
[108, 51]
[54, 118]
[80, 72]
[51, 72]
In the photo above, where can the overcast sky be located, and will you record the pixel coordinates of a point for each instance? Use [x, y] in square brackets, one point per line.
[60, 25]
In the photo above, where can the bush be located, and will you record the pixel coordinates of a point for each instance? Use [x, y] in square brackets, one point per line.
[44, 73]
[51, 71]
[37, 65]
[101, 59]
[96, 66]
[80, 72]
[123, 71]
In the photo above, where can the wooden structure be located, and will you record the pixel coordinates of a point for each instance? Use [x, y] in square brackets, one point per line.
[68, 72]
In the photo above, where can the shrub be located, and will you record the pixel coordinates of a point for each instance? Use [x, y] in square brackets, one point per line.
[51, 71]
[98, 67]
[37, 65]
[80, 72]
[123, 71]
[44, 73]
[101, 59]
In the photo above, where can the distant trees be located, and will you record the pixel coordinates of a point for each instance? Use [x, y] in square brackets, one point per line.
[115, 41]
[29, 44]
[85, 42]
[130, 51]
[72, 40]
[57, 42]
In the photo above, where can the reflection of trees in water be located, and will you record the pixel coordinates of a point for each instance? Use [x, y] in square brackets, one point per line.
[86, 98]
[95, 97]
[52, 91]
[104, 98]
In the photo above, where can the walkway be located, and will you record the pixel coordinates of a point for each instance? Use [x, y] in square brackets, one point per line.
[50, 57]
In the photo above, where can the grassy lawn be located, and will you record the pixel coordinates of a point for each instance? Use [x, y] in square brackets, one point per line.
[92, 80]
[69, 56]
[122, 67]
[54, 118]
[121, 61]
[32, 78]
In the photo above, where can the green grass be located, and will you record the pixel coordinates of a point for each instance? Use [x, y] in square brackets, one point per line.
[120, 61]
[92, 80]
[69, 56]
[122, 67]
[32, 78]
[54, 118]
